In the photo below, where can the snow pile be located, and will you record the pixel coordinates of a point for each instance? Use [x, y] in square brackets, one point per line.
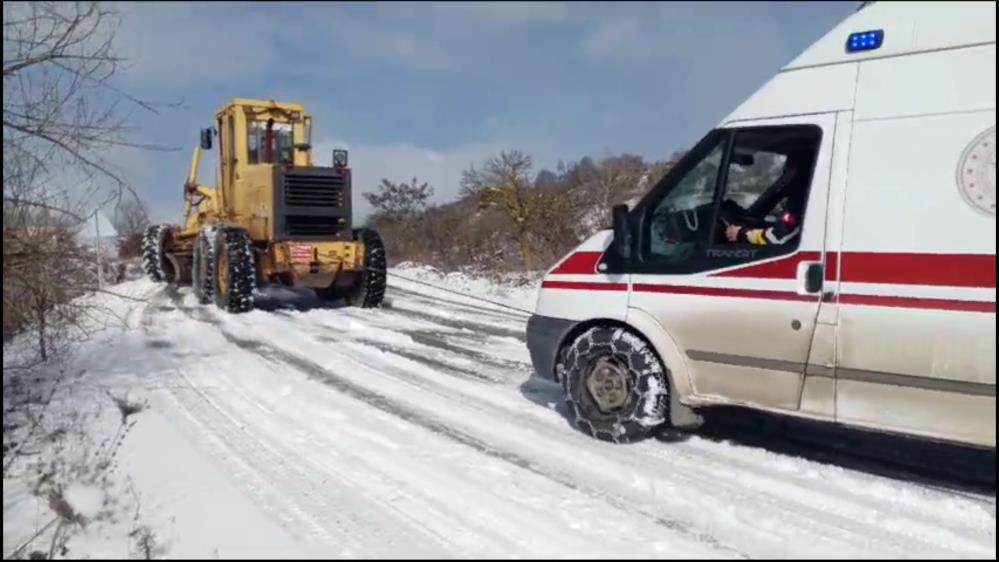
[518, 290]
[413, 430]
[85, 500]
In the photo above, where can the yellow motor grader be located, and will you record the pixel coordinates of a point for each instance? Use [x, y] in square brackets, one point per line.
[273, 217]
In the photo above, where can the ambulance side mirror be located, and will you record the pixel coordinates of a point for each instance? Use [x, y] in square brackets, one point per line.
[621, 245]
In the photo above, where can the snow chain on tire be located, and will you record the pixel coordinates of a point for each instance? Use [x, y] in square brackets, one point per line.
[203, 275]
[154, 259]
[369, 290]
[645, 407]
[234, 277]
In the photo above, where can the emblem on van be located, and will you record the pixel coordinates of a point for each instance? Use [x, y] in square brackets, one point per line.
[724, 253]
[976, 172]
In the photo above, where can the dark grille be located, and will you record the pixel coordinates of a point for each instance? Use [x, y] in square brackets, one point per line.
[302, 189]
[302, 225]
[312, 203]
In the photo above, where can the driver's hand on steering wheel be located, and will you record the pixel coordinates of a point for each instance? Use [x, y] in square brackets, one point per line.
[732, 232]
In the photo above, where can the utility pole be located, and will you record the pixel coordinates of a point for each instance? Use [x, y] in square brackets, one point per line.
[100, 271]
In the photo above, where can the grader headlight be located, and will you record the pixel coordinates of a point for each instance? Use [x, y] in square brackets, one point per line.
[339, 158]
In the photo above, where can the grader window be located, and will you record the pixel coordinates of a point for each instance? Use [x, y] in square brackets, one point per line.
[270, 143]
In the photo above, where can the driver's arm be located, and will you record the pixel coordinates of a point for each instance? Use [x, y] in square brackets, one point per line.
[783, 231]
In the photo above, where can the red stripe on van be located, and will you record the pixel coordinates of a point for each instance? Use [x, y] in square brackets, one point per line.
[832, 265]
[856, 300]
[579, 263]
[913, 302]
[785, 268]
[860, 300]
[939, 270]
[724, 292]
[584, 286]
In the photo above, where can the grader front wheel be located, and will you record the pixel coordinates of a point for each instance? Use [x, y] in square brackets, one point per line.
[234, 272]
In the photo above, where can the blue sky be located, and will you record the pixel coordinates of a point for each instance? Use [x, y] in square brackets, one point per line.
[426, 89]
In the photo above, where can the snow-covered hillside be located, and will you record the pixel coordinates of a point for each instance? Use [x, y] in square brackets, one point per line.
[416, 430]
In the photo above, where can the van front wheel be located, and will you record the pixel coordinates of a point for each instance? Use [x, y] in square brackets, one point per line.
[615, 386]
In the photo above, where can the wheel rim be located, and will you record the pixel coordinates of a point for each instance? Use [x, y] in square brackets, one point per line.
[607, 382]
[222, 273]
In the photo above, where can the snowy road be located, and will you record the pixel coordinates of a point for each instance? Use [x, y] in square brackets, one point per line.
[415, 430]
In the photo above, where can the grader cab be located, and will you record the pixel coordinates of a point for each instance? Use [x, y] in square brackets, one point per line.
[272, 217]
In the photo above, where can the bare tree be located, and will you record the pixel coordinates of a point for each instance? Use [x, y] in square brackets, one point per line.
[399, 201]
[504, 182]
[60, 105]
[62, 115]
[131, 219]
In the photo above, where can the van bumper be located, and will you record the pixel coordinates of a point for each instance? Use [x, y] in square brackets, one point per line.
[544, 334]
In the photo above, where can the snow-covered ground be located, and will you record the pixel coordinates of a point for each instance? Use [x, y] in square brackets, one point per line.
[416, 430]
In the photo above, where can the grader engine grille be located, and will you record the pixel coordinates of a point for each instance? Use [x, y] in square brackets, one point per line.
[314, 190]
[313, 203]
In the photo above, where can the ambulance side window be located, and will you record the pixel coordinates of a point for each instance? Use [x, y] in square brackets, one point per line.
[753, 180]
[678, 225]
[765, 190]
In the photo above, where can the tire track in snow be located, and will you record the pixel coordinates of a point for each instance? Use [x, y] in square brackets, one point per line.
[298, 498]
[831, 521]
[883, 466]
[474, 309]
[410, 415]
[463, 437]
[834, 518]
[413, 353]
[460, 324]
[762, 478]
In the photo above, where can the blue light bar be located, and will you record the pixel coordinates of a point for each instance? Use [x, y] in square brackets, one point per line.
[865, 41]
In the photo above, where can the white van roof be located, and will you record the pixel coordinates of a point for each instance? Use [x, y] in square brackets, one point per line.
[822, 78]
[909, 27]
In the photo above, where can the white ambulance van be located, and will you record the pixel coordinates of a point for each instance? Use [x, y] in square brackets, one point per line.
[828, 251]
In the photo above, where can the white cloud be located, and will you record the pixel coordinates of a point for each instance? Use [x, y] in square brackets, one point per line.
[506, 13]
[402, 161]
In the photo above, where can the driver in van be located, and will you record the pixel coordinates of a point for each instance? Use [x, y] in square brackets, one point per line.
[795, 187]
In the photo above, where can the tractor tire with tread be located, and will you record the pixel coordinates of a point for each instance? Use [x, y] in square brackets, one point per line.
[203, 267]
[154, 259]
[369, 289]
[611, 366]
[234, 278]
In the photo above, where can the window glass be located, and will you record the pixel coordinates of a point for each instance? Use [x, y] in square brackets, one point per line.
[281, 149]
[768, 175]
[681, 221]
[742, 200]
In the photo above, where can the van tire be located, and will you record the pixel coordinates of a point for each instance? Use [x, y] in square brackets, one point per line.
[636, 405]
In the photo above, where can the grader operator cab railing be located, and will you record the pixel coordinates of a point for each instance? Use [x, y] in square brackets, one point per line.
[272, 216]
